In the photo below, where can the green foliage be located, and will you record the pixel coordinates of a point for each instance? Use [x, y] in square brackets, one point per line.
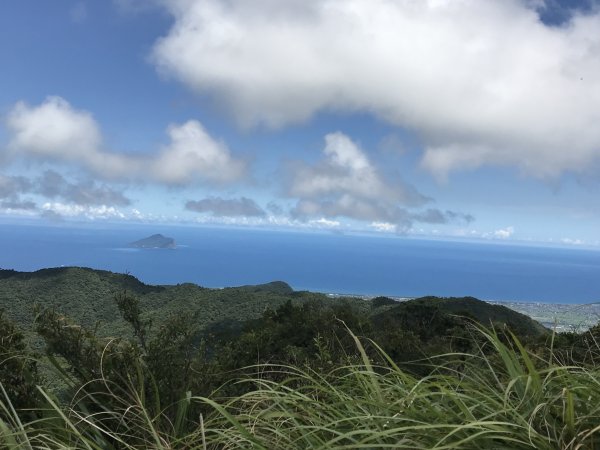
[276, 287]
[482, 312]
[18, 368]
[295, 334]
[382, 301]
[129, 307]
[174, 360]
[263, 367]
[87, 297]
[509, 405]
[501, 402]
[582, 349]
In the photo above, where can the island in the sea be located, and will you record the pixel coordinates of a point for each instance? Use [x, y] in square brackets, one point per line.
[154, 241]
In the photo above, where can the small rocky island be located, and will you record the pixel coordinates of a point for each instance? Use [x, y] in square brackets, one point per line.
[154, 241]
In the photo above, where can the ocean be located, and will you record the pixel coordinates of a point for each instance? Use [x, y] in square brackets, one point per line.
[332, 263]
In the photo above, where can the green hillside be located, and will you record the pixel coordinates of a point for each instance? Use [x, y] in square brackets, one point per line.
[118, 364]
[87, 297]
[426, 309]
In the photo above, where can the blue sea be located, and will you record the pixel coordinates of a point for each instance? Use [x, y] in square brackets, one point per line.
[331, 263]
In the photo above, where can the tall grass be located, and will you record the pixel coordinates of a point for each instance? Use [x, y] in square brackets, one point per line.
[498, 398]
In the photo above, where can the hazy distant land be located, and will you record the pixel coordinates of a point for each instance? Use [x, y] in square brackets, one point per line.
[562, 316]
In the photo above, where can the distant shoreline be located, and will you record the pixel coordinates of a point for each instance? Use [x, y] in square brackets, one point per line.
[405, 298]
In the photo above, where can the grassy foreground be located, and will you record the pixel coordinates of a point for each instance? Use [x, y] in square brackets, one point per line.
[505, 398]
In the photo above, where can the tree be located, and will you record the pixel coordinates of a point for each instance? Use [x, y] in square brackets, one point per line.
[129, 307]
[18, 368]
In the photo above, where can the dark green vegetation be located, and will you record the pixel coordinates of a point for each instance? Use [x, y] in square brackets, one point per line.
[125, 365]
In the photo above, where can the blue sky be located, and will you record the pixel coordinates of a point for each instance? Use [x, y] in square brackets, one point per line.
[458, 119]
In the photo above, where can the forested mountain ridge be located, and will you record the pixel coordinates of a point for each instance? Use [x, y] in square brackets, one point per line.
[487, 314]
[88, 297]
[85, 294]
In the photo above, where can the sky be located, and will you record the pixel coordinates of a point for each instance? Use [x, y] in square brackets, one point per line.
[467, 119]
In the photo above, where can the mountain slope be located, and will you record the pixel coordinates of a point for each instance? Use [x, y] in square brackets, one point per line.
[88, 297]
[427, 309]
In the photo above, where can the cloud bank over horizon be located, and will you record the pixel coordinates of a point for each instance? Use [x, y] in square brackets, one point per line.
[57, 135]
[345, 184]
[481, 83]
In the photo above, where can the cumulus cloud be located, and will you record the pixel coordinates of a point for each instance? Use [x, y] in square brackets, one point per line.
[11, 190]
[56, 131]
[432, 215]
[218, 207]
[346, 170]
[383, 227]
[481, 82]
[325, 223]
[18, 205]
[570, 241]
[273, 221]
[52, 184]
[56, 210]
[13, 186]
[51, 215]
[275, 208]
[16, 193]
[504, 233]
[346, 184]
[193, 153]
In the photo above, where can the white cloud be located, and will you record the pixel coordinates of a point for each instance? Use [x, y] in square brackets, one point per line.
[137, 214]
[325, 223]
[18, 205]
[346, 184]
[89, 212]
[347, 170]
[383, 227]
[481, 82]
[17, 193]
[52, 185]
[272, 221]
[193, 154]
[16, 210]
[570, 241]
[504, 233]
[12, 186]
[56, 131]
[229, 207]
